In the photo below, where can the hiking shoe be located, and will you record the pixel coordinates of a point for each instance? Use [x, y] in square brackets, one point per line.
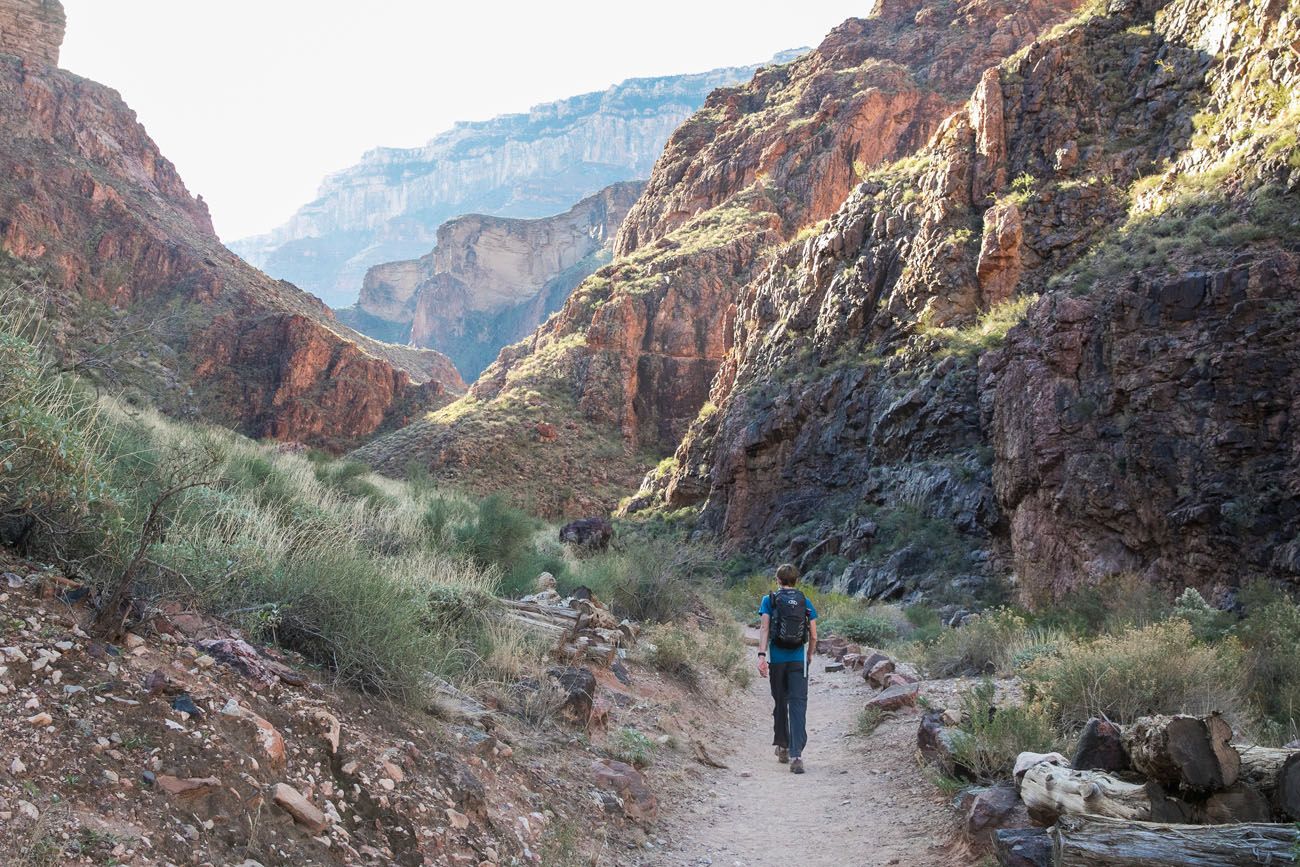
[783, 755]
[796, 766]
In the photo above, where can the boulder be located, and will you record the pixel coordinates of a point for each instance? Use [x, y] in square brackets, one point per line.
[985, 810]
[592, 533]
[625, 781]
[578, 686]
[895, 697]
[187, 788]
[879, 673]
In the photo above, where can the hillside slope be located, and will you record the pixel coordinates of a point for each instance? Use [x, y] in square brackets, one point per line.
[142, 294]
[629, 360]
[389, 206]
[1129, 187]
[490, 280]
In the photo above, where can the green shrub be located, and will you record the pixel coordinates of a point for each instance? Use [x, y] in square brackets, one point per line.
[865, 628]
[1270, 638]
[632, 747]
[650, 580]
[674, 651]
[990, 738]
[983, 645]
[923, 623]
[1208, 623]
[1155, 669]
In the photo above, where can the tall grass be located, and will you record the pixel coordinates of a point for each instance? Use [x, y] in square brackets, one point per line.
[384, 584]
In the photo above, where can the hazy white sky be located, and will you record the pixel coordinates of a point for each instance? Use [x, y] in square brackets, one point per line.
[256, 100]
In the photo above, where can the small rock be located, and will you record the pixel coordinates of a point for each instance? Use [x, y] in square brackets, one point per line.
[132, 641]
[28, 809]
[17, 767]
[459, 821]
[205, 661]
[394, 772]
[834, 666]
[111, 776]
[41, 719]
[189, 788]
[304, 813]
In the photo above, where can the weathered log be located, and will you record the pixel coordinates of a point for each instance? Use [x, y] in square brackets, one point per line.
[1194, 754]
[1276, 774]
[1241, 803]
[1101, 748]
[1099, 841]
[1023, 847]
[1051, 791]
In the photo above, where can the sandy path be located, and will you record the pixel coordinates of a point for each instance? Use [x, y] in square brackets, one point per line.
[861, 803]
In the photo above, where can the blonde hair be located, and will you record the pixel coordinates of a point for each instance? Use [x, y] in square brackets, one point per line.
[787, 575]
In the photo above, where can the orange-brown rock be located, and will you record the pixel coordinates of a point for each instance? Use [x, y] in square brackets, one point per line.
[636, 348]
[142, 293]
[32, 30]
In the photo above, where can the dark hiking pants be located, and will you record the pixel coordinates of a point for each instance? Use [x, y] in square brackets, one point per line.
[790, 716]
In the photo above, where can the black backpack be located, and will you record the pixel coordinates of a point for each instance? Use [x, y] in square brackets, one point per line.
[789, 618]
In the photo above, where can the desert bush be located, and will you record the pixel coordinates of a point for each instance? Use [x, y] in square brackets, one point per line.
[1160, 668]
[983, 645]
[1270, 638]
[53, 490]
[991, 737]
[674, 651]
[865, 628]
[631, 747]
[650, 580]
[923, 623]
[1208, 623]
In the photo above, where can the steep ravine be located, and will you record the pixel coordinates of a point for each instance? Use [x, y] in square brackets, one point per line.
[621, 370]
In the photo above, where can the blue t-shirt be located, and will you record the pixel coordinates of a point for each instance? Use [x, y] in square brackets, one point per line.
[781, 654]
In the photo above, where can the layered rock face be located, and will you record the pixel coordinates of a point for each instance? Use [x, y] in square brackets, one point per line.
[143, 294]
[491, 280]
[32, 30]
[389, 206]
[884, 420]
[631, 357]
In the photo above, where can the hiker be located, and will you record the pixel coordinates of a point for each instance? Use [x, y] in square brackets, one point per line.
[786, 640]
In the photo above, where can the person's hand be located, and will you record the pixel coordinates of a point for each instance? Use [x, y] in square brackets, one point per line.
[762, 666]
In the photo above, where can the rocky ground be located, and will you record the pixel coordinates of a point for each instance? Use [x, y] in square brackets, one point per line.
[863, 800]
[184, 745]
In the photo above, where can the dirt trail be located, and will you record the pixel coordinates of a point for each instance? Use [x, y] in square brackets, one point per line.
[862, 802]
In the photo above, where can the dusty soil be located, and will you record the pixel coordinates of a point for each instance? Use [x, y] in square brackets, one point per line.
[863, 800]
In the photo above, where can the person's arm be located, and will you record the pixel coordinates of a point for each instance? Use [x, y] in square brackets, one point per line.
[762, 645]
[812, 639]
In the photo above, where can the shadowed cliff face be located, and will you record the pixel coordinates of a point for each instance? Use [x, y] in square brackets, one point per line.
[389, 206]
[633, 353]
[884, 420]
[143, 295]
[491, 280]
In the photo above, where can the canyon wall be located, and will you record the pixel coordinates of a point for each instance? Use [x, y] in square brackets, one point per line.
[1056, 344]
[140, 293]
[490, 280]
[622, 369]
[32, 30]
[389, 206]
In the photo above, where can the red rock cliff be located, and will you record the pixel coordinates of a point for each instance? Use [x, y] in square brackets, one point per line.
[144, 293]
[637, 346]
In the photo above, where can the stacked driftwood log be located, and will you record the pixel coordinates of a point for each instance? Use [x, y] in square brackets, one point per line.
[1166, 790]
[582, 628]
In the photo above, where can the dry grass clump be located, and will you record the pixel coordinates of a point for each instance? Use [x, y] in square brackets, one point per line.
[983, 645]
